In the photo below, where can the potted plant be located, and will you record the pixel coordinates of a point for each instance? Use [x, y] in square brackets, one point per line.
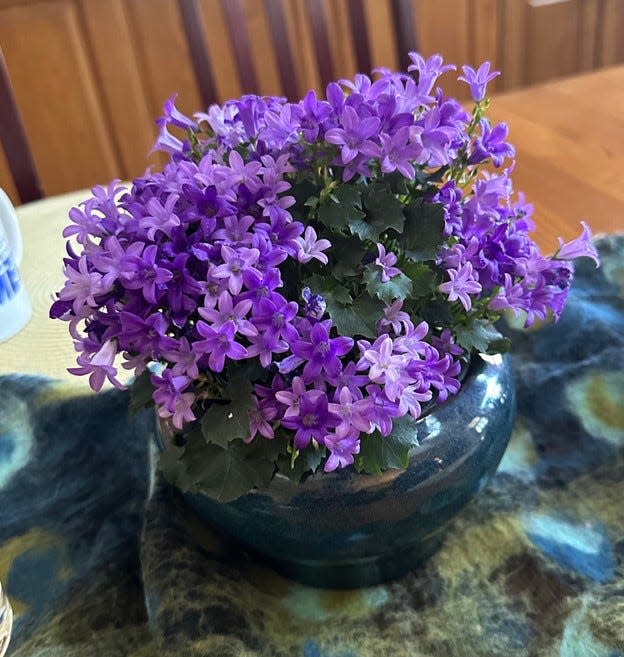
[307, 293]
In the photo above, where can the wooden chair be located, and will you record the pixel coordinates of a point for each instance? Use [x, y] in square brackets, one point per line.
[15, 143]
[404, 28]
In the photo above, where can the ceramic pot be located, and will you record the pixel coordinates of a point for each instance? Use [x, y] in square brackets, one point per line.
[346, 530]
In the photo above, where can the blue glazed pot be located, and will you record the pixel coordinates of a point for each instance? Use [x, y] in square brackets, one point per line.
[347, 530]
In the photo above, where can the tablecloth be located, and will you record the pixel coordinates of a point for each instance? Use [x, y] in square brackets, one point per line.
[101, 559]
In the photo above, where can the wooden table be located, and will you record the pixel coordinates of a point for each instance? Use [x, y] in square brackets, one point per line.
[570, 141]
[569, 137]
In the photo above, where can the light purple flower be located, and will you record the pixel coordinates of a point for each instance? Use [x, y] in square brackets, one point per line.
[461, 284]
[310, 247]
[386, 367]
[342, 446]
[235, 263]
[99, 366]
[160, 217]
[290, 398]
[386, 263]
[226, 311]
[354, 137]
[219, 344]
[581, 247]
[393, 317]
[477, 80]
[354, 413]
[259, 418]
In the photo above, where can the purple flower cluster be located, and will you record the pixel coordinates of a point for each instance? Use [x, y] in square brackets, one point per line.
[205, 264]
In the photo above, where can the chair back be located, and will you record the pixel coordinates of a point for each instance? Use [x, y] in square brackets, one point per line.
[403, 20]
[14, 142]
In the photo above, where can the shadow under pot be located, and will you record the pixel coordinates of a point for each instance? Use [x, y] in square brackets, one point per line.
[348, 530]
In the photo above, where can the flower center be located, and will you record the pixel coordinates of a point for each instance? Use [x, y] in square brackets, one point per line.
[322, 349]
[310, 420]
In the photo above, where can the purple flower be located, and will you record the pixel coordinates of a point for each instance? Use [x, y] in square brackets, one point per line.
[228, 312]
[511, 296]
[410, 400]
[315, 305]
[321, 353]
[579, 247]
[354, 413]
[99, 366]
[235, 263]
[354, 136]
[259, 418]
[161, 217]
[219, 344]
[291, 398]
[384, 410]
[491, 144]
[311, 247]
[146, 335]
[428, 70]
[386, 263]
[142, 272]
[397, 153]
[313, 420]
[83, 284]
[274, 316]
[169, 386]
[264, 345]
[385, 366]
[461, 283]
[393, 317]
[477, 80]
[342, 446]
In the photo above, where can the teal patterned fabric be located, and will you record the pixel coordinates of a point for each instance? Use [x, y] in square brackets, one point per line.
[98, 559]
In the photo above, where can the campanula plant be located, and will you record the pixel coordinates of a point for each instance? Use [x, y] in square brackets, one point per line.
[302, 281]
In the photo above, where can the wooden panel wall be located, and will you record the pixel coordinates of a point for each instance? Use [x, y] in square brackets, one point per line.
[90, 76]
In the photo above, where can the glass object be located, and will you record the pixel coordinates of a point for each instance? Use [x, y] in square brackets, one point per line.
[346, 530]
[6, 622]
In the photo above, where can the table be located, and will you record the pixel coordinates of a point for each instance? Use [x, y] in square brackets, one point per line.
[569, 136]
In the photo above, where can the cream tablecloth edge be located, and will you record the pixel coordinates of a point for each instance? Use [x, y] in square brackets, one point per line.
[43, 346]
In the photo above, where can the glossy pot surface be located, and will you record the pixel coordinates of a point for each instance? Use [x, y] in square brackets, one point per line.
[344, 529]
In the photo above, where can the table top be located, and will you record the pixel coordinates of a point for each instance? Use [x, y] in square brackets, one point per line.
[569, 137]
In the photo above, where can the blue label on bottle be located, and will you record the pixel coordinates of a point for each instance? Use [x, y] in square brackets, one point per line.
[9, 278]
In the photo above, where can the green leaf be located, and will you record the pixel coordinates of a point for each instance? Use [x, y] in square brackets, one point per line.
[499, 346]
[478, 335]
[436, 313]
[225, 422]
[358, 318]
[174, 465]
[378, 453]
[343, 205]
[328, 287]
[383, 208]
[348, 253]
[423, 231]
[307, 461]
[398, 287]
[221, 473]
[141, 393]
[228, 474]
[424, 279]
[350, 317]
[363, 229]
